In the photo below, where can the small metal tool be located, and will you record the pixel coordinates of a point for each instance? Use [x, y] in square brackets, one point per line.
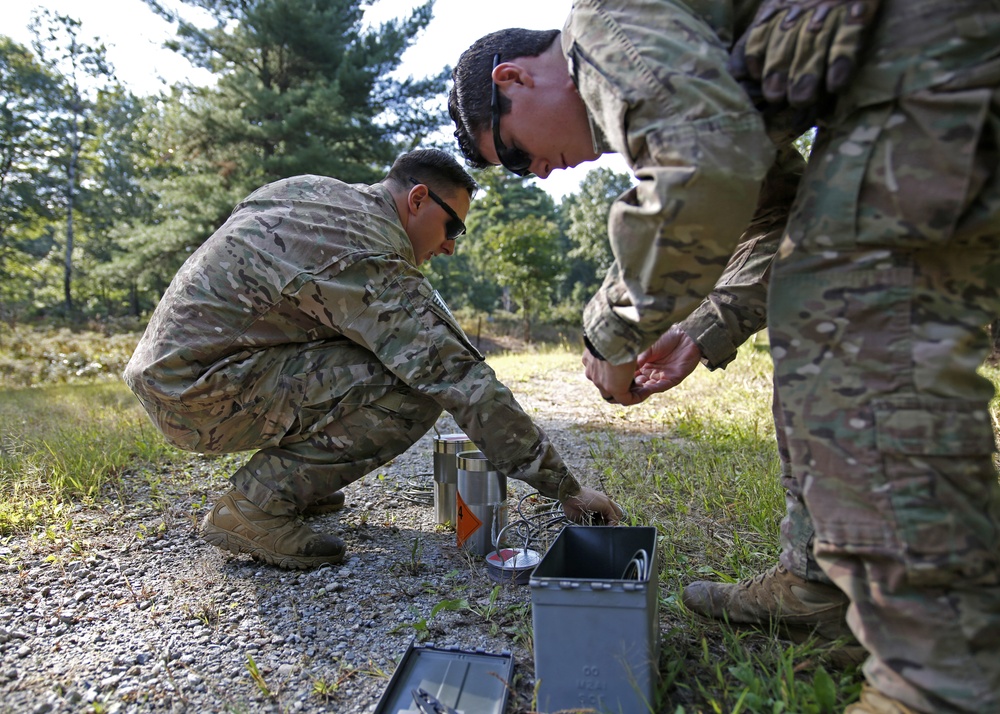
[429, 704]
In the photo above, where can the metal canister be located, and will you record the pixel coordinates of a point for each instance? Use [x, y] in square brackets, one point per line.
[481, 503]
[446, 450]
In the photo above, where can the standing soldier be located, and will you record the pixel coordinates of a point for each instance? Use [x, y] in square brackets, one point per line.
[879, 287]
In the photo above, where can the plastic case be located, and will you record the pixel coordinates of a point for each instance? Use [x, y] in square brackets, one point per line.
[596, 621]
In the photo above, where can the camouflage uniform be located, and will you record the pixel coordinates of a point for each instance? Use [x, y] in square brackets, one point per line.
[879, 292]
[302, 328]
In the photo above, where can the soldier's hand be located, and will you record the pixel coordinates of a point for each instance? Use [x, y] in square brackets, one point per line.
[589, 502]
[666, 363]
[801, 50]
[614, 382]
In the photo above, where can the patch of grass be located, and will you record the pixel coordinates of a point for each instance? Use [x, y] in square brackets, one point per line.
[64, 442]
[535, 360]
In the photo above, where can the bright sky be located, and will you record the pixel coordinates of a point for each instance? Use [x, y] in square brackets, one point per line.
[134, 35]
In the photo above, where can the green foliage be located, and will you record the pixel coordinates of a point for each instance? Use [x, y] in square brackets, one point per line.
[67, 173]
[82, 73]
[586, 214]
[302, 88]
[103, 194]
[516, 241]
[771, 679]
[32, 357]
[804, 143]
[25, 88]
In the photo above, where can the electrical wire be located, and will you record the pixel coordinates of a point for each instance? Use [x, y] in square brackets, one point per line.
[638, 566]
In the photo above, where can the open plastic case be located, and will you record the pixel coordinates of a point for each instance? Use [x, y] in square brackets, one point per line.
[469, 682]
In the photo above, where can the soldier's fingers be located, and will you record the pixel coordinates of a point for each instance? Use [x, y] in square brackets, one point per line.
[737, 64]
[808, 71]
[778, 62]
[755, 47]
[845, 47]
[849, 43]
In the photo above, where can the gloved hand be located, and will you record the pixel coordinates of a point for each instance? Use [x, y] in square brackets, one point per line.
[801, 50]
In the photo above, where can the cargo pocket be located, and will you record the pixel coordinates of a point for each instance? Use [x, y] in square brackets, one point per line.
[176, 429]
[258, 421]
[942, 489]
[923, 171]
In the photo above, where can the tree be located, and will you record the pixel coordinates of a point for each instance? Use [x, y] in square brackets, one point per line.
[303, 88]
[516, 240]
[468, 278]
[586, 218]
[123, 164]
[82, 71]
[528, 260]
[26, 87]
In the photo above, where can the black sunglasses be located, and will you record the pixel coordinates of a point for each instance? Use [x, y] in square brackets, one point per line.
[455, 226]
[513, 160]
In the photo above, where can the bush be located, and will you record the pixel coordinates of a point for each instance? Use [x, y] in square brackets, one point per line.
[33, 356]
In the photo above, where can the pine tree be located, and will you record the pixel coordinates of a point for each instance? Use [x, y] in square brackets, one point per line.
[303, 88]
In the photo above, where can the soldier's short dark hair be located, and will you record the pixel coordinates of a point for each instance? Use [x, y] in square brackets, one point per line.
[437, 169]
[472, 88]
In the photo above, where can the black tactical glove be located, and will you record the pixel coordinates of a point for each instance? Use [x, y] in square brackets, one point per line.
[802, 51]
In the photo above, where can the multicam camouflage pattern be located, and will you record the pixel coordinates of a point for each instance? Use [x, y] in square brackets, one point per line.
[694, 141]
[737, 306]
[301, 328]
[879, 296]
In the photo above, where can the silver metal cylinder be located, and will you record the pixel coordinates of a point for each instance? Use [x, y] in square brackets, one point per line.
[446, 450]
[482, 503]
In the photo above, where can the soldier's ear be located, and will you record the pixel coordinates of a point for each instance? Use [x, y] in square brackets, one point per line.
[507, 73]
[416, 198]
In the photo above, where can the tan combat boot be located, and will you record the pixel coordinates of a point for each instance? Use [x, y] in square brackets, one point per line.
[800, 608]
[874, 702]
[239, 526]
[332, 503]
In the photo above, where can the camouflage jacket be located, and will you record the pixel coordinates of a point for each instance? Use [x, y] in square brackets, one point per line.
[311, 259]
[659, 93]
[737, 306]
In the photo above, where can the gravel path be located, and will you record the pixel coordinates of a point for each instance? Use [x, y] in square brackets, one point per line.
[121, 607]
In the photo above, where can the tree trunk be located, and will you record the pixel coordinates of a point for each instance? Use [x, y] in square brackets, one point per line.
[527, 319]
[70, 195]
[995, 331]
[133, 298]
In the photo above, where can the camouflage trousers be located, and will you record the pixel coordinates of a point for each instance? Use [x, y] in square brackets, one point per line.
[797, 530]
[323, 415]
[879, 297]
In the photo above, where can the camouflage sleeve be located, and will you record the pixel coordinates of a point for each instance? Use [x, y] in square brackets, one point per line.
[660, 94]
[737, 306]
[388, 307]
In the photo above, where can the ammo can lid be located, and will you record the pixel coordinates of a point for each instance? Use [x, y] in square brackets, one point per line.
[469, 681]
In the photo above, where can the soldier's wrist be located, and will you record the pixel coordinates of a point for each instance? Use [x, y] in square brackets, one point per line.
[568, 488]
[591, 349]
